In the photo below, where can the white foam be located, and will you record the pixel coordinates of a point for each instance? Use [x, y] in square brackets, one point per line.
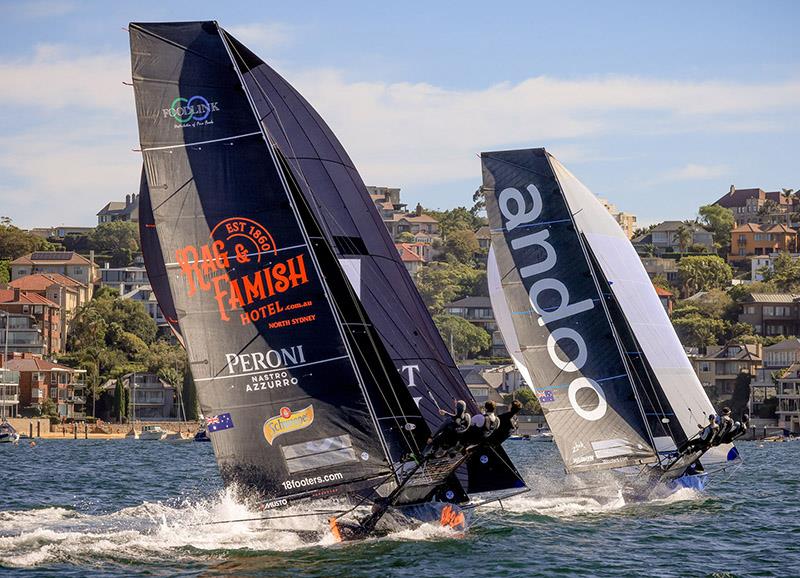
[150, 531]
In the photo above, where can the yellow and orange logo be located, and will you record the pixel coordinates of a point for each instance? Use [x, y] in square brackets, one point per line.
[287, 421]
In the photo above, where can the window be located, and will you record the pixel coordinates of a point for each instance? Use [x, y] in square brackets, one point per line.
[705, 366]
[78, 270]
[53, 393]
[768, 311]
[750, 310]
[783, 311]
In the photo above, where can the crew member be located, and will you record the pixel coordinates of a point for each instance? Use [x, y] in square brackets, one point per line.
[507, 423]
[450, 432]
[725, 426]
[738, 429]
[706, 437]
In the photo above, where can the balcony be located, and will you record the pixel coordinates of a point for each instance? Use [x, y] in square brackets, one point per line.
[77, 400]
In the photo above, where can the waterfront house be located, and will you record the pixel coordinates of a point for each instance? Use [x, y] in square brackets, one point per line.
[46, 313]
[477, 310]
[155, 399]
[411, 258]
[772, 314]
[67, 263]
[9, 393]
[776, 358]
[24, 334]
[119, 211]
[68, 293]
[758, 206]
[661, 267]
[665, 238]
[719, 368]
[667, 299]
[789, 399]
[752, 239]
[481, 389]
[41, 381]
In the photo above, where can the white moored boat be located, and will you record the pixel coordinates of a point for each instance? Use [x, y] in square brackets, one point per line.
[7, 433]
[152, 432]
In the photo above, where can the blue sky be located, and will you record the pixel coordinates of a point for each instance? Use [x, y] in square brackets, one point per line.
[659, 107]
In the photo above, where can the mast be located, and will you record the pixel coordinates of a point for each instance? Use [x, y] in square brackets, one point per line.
[312, 253]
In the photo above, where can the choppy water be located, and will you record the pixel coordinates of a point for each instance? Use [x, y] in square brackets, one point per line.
[135, 508]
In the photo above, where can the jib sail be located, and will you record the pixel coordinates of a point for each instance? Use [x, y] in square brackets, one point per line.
[553, 315]
[286, 406]
[399, 324]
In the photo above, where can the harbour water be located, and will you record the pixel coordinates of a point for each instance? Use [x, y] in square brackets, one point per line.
[137, 508]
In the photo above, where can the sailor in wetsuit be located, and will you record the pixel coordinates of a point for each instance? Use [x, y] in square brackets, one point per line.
[483, 425]
[449, 434]
[725, 426]
[707, 436]
[737, 429]
[507, 423]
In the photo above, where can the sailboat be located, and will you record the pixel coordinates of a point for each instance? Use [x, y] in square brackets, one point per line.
[317, 365]
[583, 324]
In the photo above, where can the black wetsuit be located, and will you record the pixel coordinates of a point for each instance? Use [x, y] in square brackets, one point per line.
[508, 423]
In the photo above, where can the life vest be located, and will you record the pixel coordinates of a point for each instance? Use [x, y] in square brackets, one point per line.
[490, 423]
[462, 421]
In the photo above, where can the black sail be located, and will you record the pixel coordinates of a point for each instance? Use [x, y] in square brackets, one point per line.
[154, 262]
[556, 317]
[351, 225]
[276, 379]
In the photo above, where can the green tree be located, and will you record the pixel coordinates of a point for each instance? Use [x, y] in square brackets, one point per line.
[120, 239]
[405, 237]
[14, 242]
[784, 274]
[455, 219]
[720, 221]
[5, 271]
[462, 245]
[466, 338]
[530, 403]
[683, 236]
[440, 283]
[703, 272]
[698, 330]
[120, 405]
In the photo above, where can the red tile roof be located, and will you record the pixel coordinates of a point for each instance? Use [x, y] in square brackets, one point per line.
[407, 255]
[661, 292]
[41, 281]
[33, 363]
[7, 296]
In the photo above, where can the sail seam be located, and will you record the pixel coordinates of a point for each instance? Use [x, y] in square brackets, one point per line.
[190, 144]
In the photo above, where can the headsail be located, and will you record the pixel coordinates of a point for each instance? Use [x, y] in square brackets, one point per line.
[398, 319]
[554, 310]
[273, 369]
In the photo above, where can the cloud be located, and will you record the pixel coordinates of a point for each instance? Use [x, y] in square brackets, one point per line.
[71, 124]
[262, 37]
[695, 172]
[419, 133]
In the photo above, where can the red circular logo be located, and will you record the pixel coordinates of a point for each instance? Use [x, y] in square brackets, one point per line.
[286, 413]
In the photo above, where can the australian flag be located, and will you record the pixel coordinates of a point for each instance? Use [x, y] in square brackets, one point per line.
[546, 396]
[219, 422]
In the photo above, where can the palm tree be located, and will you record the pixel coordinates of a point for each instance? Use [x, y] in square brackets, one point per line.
[684, 235]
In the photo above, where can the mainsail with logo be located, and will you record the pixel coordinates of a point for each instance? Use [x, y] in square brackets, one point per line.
[581, 319]
[301, 393]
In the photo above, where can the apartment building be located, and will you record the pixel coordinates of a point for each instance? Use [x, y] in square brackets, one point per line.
[752, 239]
[41, 381]
[772, 314]
[722, 364]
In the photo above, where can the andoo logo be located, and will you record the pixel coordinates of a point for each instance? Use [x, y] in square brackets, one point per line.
[194, 109]
[287, 422]
[243, 242]
[513, 206]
